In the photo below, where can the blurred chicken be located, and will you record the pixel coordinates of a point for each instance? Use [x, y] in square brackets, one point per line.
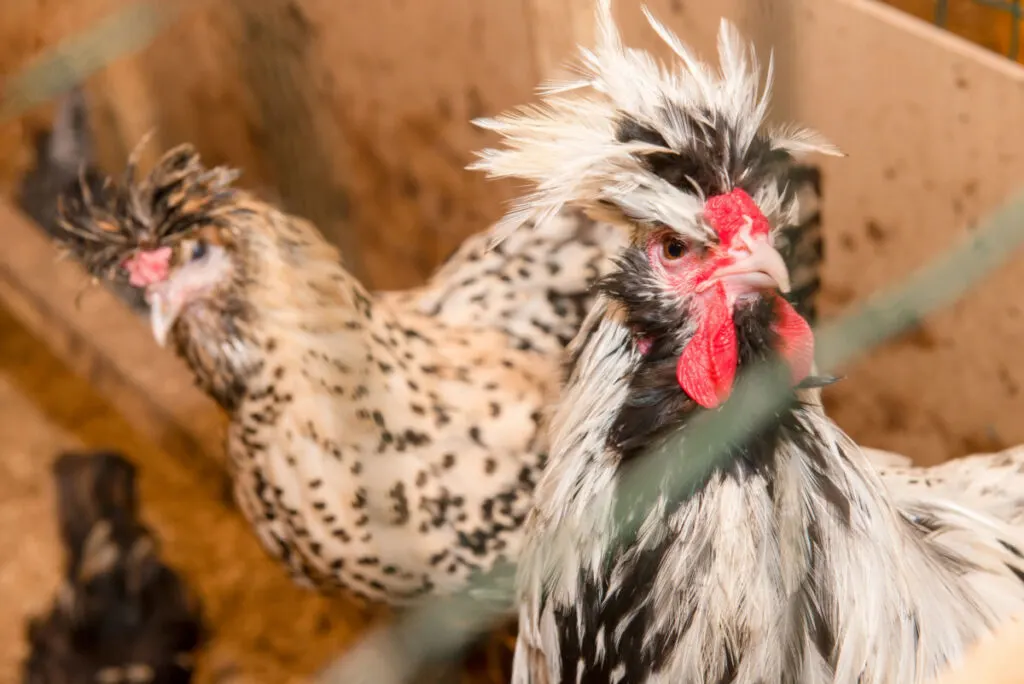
[793, 561]
[64, 157]
[121, 616]
[387, 443]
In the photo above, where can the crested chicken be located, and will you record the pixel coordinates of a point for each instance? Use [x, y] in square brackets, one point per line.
[122, 616]
[383, 443]
[797, 560]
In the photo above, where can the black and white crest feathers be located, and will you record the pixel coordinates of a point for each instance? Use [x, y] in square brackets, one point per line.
[648, 141]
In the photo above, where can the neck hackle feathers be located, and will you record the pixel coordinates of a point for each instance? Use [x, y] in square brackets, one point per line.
[145, 215]
[633, 140]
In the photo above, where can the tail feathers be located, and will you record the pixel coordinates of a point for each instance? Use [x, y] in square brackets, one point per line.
[70, 143]
[64, 158]
[990, 482]
[880, 458]
[536, 285]
[122, 614]
[802, 244]
[62, 153]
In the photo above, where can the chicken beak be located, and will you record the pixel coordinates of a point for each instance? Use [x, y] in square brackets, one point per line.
[756, 266]
[163, 312]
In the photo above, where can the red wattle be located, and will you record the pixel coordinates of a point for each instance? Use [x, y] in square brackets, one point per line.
[707, 366]
[796, 340]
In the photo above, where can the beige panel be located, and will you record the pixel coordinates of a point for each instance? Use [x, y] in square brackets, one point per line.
[414, 74]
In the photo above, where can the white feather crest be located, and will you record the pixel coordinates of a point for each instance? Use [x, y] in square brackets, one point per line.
[566, 145]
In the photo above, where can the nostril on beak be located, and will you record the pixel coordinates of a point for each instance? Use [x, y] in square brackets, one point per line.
[756, 264]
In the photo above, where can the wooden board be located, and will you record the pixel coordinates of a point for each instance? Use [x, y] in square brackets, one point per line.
[266, 629]
[109, 346]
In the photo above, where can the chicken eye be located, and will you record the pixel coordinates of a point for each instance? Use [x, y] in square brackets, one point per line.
[199, 250]
[672, 249]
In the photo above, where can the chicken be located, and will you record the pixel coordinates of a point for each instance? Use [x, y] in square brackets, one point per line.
[796, 560]
[64, 158]
[383, 443]
[121, 616]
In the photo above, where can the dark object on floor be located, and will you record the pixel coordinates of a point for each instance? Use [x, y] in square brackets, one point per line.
[121, 616]
[63, 155]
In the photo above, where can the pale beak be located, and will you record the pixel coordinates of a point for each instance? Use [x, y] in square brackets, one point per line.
[164, 308]
[757, 266]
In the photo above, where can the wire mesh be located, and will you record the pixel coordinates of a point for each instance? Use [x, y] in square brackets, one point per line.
[55, 72]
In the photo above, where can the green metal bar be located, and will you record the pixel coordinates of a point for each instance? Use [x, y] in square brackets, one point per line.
[1015, 30]
[941, 12]
[997, 4]
[57, 71]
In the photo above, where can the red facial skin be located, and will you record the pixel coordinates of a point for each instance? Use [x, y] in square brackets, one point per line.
[707, 366]
[146, 268]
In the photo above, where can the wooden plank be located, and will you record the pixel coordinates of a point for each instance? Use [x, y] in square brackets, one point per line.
[30, 27]
[995, 659]
[275, 52]
[390, 88]
[98, 337]
[265, 627]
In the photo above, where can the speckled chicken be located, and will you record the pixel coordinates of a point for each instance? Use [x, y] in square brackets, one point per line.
[386, 443]
[795, 560]
[121, 616]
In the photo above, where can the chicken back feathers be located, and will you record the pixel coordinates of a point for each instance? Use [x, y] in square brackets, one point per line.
[798, 561]
[122, 616]
[387, 443]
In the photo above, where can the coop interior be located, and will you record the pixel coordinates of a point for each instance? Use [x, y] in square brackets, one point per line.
[357, 116]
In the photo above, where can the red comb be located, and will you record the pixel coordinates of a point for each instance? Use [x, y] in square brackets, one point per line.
[146, 268]
[729, 213]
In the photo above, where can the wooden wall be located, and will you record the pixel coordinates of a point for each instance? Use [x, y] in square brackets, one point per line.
[388, 88]
[354, 111]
